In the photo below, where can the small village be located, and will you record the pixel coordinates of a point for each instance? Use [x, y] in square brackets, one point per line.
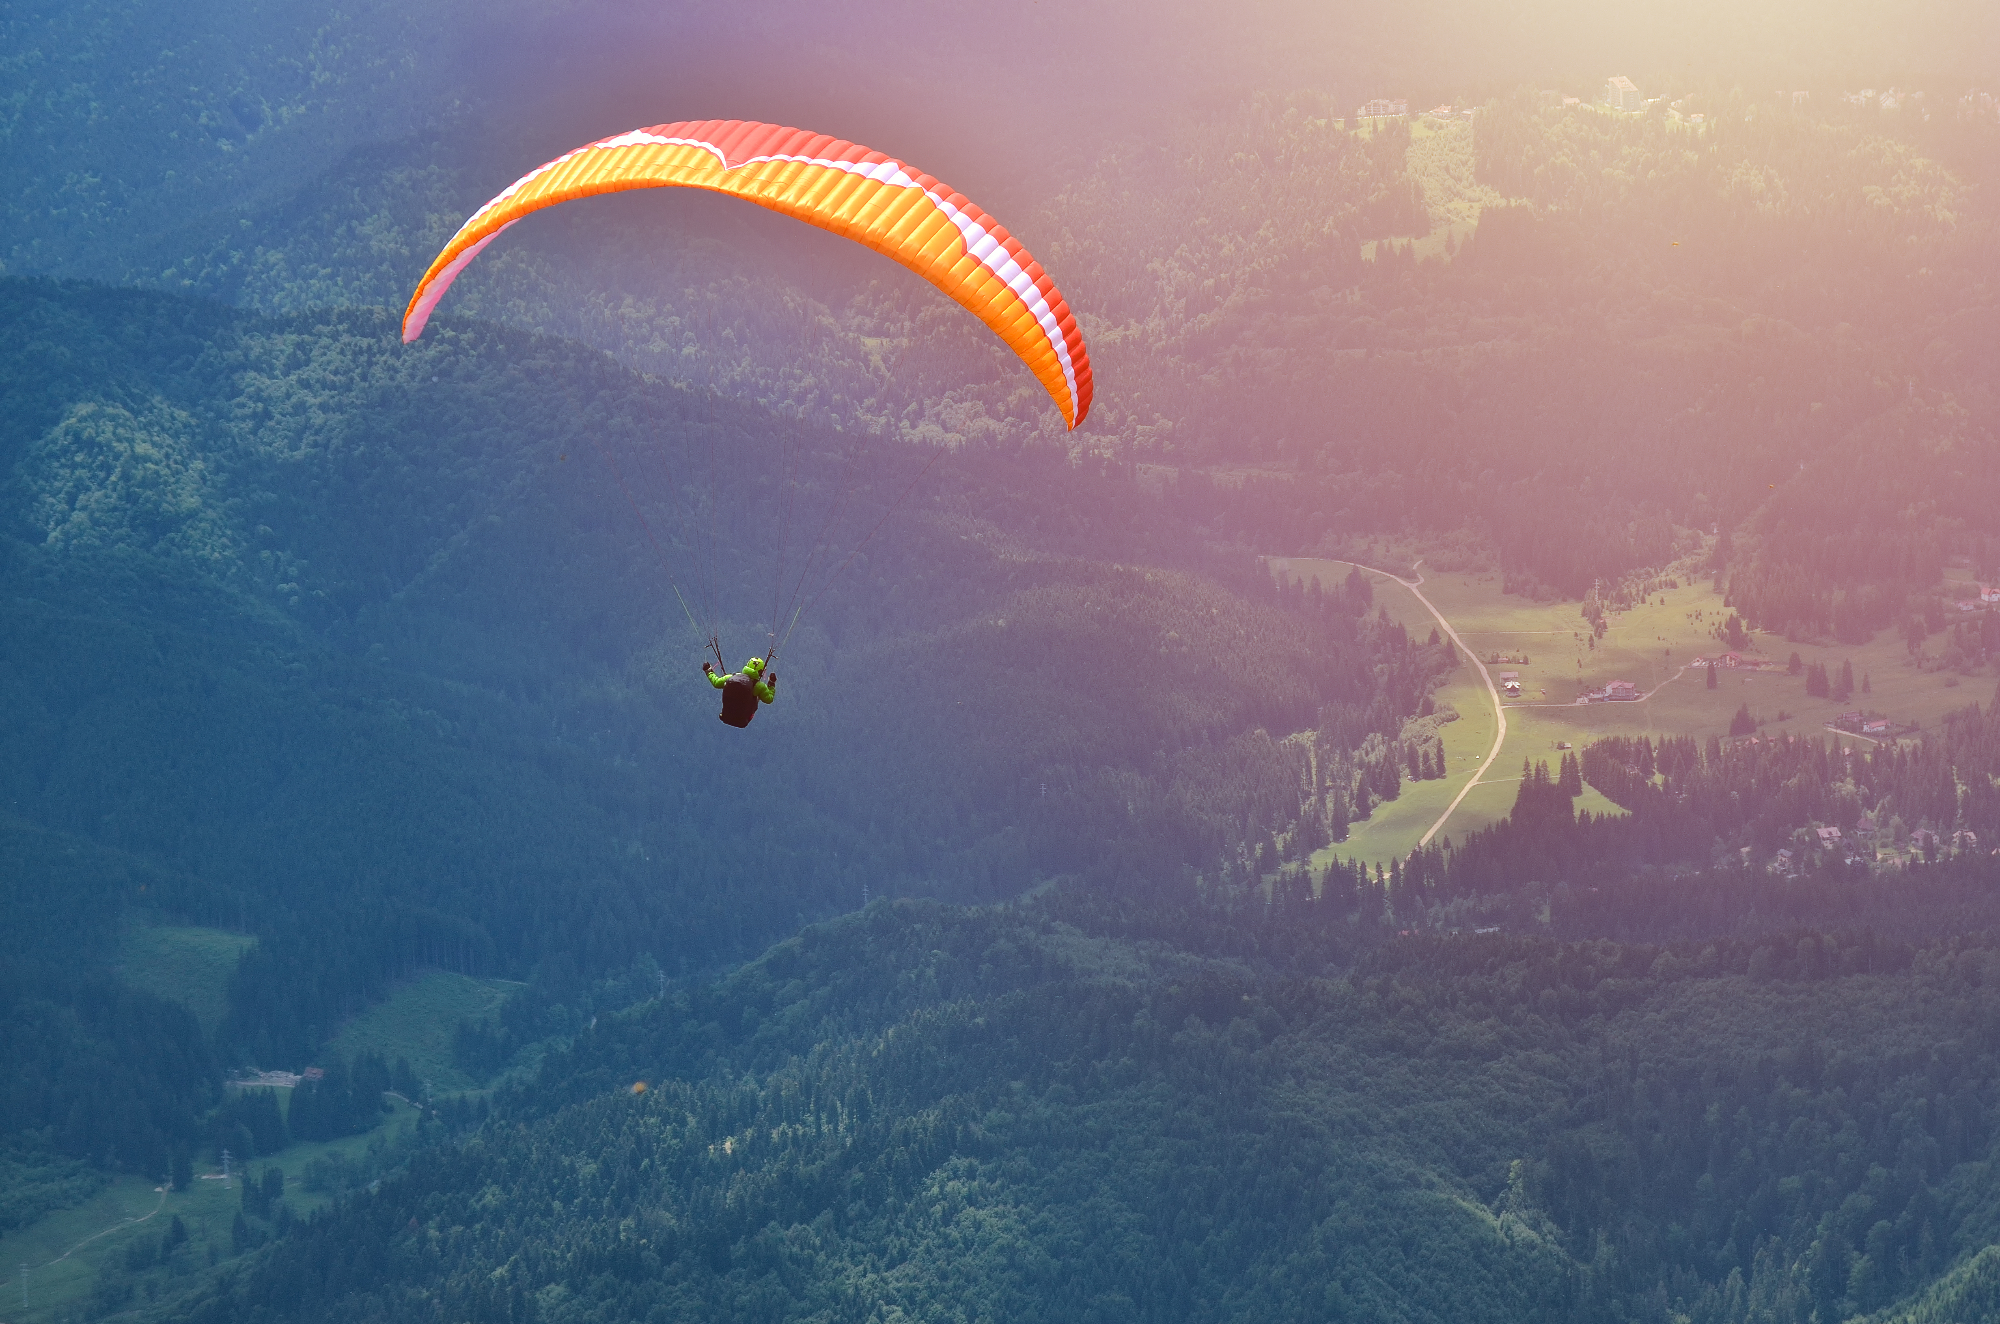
[1891, 846]
[1838, 699]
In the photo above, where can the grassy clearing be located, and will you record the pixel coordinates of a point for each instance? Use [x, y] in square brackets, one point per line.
[189, 965]
[417, 1020]
[1649, 645]
[1439, 159]
[71, 1252]
[60, 1270]
[1395, 828]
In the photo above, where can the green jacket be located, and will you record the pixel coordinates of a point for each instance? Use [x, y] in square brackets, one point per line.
[767, 690]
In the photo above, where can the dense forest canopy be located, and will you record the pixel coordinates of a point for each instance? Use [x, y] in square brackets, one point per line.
[391, 704]
[1698, 285]
[1699, 295]
[912, 1111]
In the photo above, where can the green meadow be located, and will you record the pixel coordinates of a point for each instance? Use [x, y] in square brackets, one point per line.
[189, 965]
[81, 1260]
[193, 965]
[1652, 645]
[416, 1021]
[77, 1258]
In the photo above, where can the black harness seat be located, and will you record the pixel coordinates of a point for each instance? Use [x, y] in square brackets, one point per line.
[739, 701]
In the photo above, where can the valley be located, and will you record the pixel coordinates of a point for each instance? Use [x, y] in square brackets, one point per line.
[1654, 644]
[1451, 777]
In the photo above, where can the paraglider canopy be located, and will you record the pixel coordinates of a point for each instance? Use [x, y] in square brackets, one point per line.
[828, 182]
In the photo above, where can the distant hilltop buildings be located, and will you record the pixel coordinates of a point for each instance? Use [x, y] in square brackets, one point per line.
[1620, 93]
[1387, 108]
[1382, 108]
[1893, 99]
[1976, 104]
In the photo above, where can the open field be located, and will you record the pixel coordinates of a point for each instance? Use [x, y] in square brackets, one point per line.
[189, 965]
[1650, 645]
[416, 1021]
[71, 1252]
[1440, 161]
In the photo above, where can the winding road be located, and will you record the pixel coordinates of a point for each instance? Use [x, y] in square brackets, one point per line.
[1492, 690]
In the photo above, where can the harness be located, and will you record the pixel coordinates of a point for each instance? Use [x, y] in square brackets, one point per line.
[739, 700]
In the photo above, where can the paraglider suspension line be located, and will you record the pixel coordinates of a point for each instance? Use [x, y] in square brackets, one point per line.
[908, 488]
[659, 551]
[819, 540]
[784, 540]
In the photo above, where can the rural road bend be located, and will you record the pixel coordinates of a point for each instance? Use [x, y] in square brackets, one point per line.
[1492, 692]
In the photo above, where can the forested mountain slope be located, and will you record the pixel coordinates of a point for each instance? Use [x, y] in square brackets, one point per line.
[1693, 300]
[363, 648]
[1775, 319]
[1183, 1112]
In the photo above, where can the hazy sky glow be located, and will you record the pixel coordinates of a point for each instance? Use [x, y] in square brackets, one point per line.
[997, 101]
[992, 83]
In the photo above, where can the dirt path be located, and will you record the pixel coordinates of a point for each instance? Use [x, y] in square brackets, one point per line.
[1492, 691]
[121, 1223]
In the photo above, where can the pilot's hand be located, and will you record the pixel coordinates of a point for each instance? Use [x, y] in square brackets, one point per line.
[707, 669]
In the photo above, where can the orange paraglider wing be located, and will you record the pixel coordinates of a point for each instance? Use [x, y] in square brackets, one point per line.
[836, 185]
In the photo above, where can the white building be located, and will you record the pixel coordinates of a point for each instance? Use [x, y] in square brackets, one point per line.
[1621, 94]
